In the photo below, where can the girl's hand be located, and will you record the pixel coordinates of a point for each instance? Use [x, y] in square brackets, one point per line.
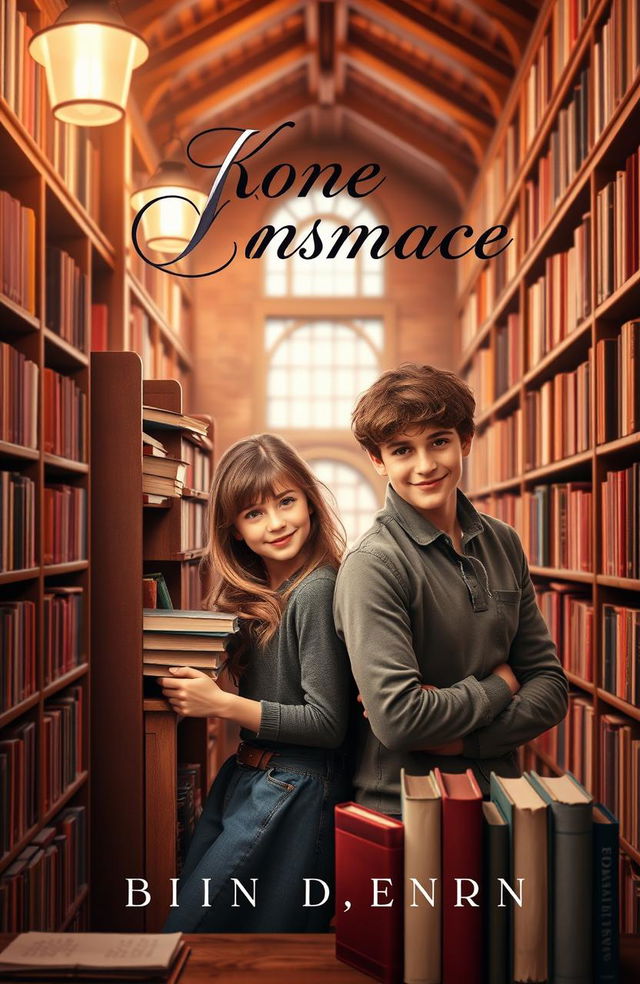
[193, 693]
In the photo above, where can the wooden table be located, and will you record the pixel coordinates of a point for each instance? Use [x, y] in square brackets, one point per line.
[298, 959]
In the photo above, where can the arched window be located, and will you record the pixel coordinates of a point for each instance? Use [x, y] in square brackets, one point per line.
[361, 276]
[355, 496]
[317, 368]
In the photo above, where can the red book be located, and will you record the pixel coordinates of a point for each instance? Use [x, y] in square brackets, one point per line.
[462, 957]
[369, 845]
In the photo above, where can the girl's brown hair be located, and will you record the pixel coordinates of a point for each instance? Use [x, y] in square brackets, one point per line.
[248, 473]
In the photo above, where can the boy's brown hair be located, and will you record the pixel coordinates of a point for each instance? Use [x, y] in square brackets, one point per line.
[412, 396]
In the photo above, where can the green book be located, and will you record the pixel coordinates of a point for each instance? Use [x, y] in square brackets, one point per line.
[164, 598]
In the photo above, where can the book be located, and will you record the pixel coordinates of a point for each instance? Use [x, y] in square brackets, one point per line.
[570, 874]
[462, 875]
[526, 813]
[198, 623]
[605, 896]
[153, 444]
[162, 591]
[421, 815]
[105, 956]
[164, 467]
[184, 642]
[159, 417]
[369, 938]
[496, 917]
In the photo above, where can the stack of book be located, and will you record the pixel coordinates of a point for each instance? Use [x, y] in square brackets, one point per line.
[162, 476]
[184, 638]
[522, 888]
[94, 956]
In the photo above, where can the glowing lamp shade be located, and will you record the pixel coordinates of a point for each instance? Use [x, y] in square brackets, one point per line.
[169, 224]
[88, 57]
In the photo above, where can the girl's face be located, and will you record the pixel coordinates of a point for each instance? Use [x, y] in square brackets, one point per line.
[276, 530]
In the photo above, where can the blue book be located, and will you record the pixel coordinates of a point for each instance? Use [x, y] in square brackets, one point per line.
[570, 877]
[605, 896]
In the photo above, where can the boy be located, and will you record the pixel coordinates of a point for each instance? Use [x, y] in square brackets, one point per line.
[451, 655]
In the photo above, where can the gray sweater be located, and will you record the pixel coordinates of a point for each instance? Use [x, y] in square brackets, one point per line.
[411, 610]
[301, 677]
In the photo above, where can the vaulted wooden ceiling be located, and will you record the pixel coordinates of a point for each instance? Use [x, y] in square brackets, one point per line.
[426, 78]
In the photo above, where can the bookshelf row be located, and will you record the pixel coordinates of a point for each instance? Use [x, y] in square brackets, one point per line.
[579, 68]
[67, 289]
[549, 345]
[554, 278]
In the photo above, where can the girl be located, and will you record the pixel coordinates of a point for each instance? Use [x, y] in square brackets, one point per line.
[274, 549]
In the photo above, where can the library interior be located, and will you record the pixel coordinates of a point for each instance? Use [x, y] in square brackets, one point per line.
[479, 163]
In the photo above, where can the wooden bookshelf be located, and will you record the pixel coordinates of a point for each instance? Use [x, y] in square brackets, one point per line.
[484, 306]
[63, 221]
[140, 839]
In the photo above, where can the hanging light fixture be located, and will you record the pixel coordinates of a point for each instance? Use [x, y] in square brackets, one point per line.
[88, 56]
[169, 224]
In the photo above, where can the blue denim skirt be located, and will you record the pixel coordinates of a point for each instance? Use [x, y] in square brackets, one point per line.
[275, 826]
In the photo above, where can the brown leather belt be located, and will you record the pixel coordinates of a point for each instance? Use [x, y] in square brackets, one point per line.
[257, 758]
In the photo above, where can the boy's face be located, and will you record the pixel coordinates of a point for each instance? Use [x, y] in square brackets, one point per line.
[424, 467]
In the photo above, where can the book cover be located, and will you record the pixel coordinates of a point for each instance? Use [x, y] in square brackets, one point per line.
[387, 183]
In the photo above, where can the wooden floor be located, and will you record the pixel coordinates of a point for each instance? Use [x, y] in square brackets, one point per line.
[296, 958]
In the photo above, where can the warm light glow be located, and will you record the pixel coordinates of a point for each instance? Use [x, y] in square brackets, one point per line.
[88, 64]
[170, 223]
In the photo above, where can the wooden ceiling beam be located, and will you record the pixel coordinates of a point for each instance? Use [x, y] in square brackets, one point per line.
[513, 26]
[214, 37]
[403, 141]
[436, 36]
[428, 75]
[475, 132]
[208, 99]
[265, 115]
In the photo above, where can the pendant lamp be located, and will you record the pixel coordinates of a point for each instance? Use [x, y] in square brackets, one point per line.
[88, 56]
[169, 224]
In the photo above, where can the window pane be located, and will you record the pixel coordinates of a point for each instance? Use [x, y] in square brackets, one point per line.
[324, 363]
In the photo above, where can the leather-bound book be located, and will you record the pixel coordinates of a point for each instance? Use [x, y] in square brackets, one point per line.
[369, 845]
[421, 815]
[462, 949]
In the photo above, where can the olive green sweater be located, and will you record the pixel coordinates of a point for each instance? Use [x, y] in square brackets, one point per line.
[411, 610]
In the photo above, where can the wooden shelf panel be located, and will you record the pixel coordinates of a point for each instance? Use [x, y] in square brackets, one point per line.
[631, 441]
[64, 681]
[60, 354]
[624, 583]
[556, 467]
[579, 682]
[72, 567]
[28, 574]
[11, 855]
[19, 709]
[66, 464]
[559, 574]
[621, 705]
[8, 450]
[15, 318]
[68, 794]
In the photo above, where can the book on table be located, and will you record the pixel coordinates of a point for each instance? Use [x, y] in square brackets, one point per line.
[94, 956]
